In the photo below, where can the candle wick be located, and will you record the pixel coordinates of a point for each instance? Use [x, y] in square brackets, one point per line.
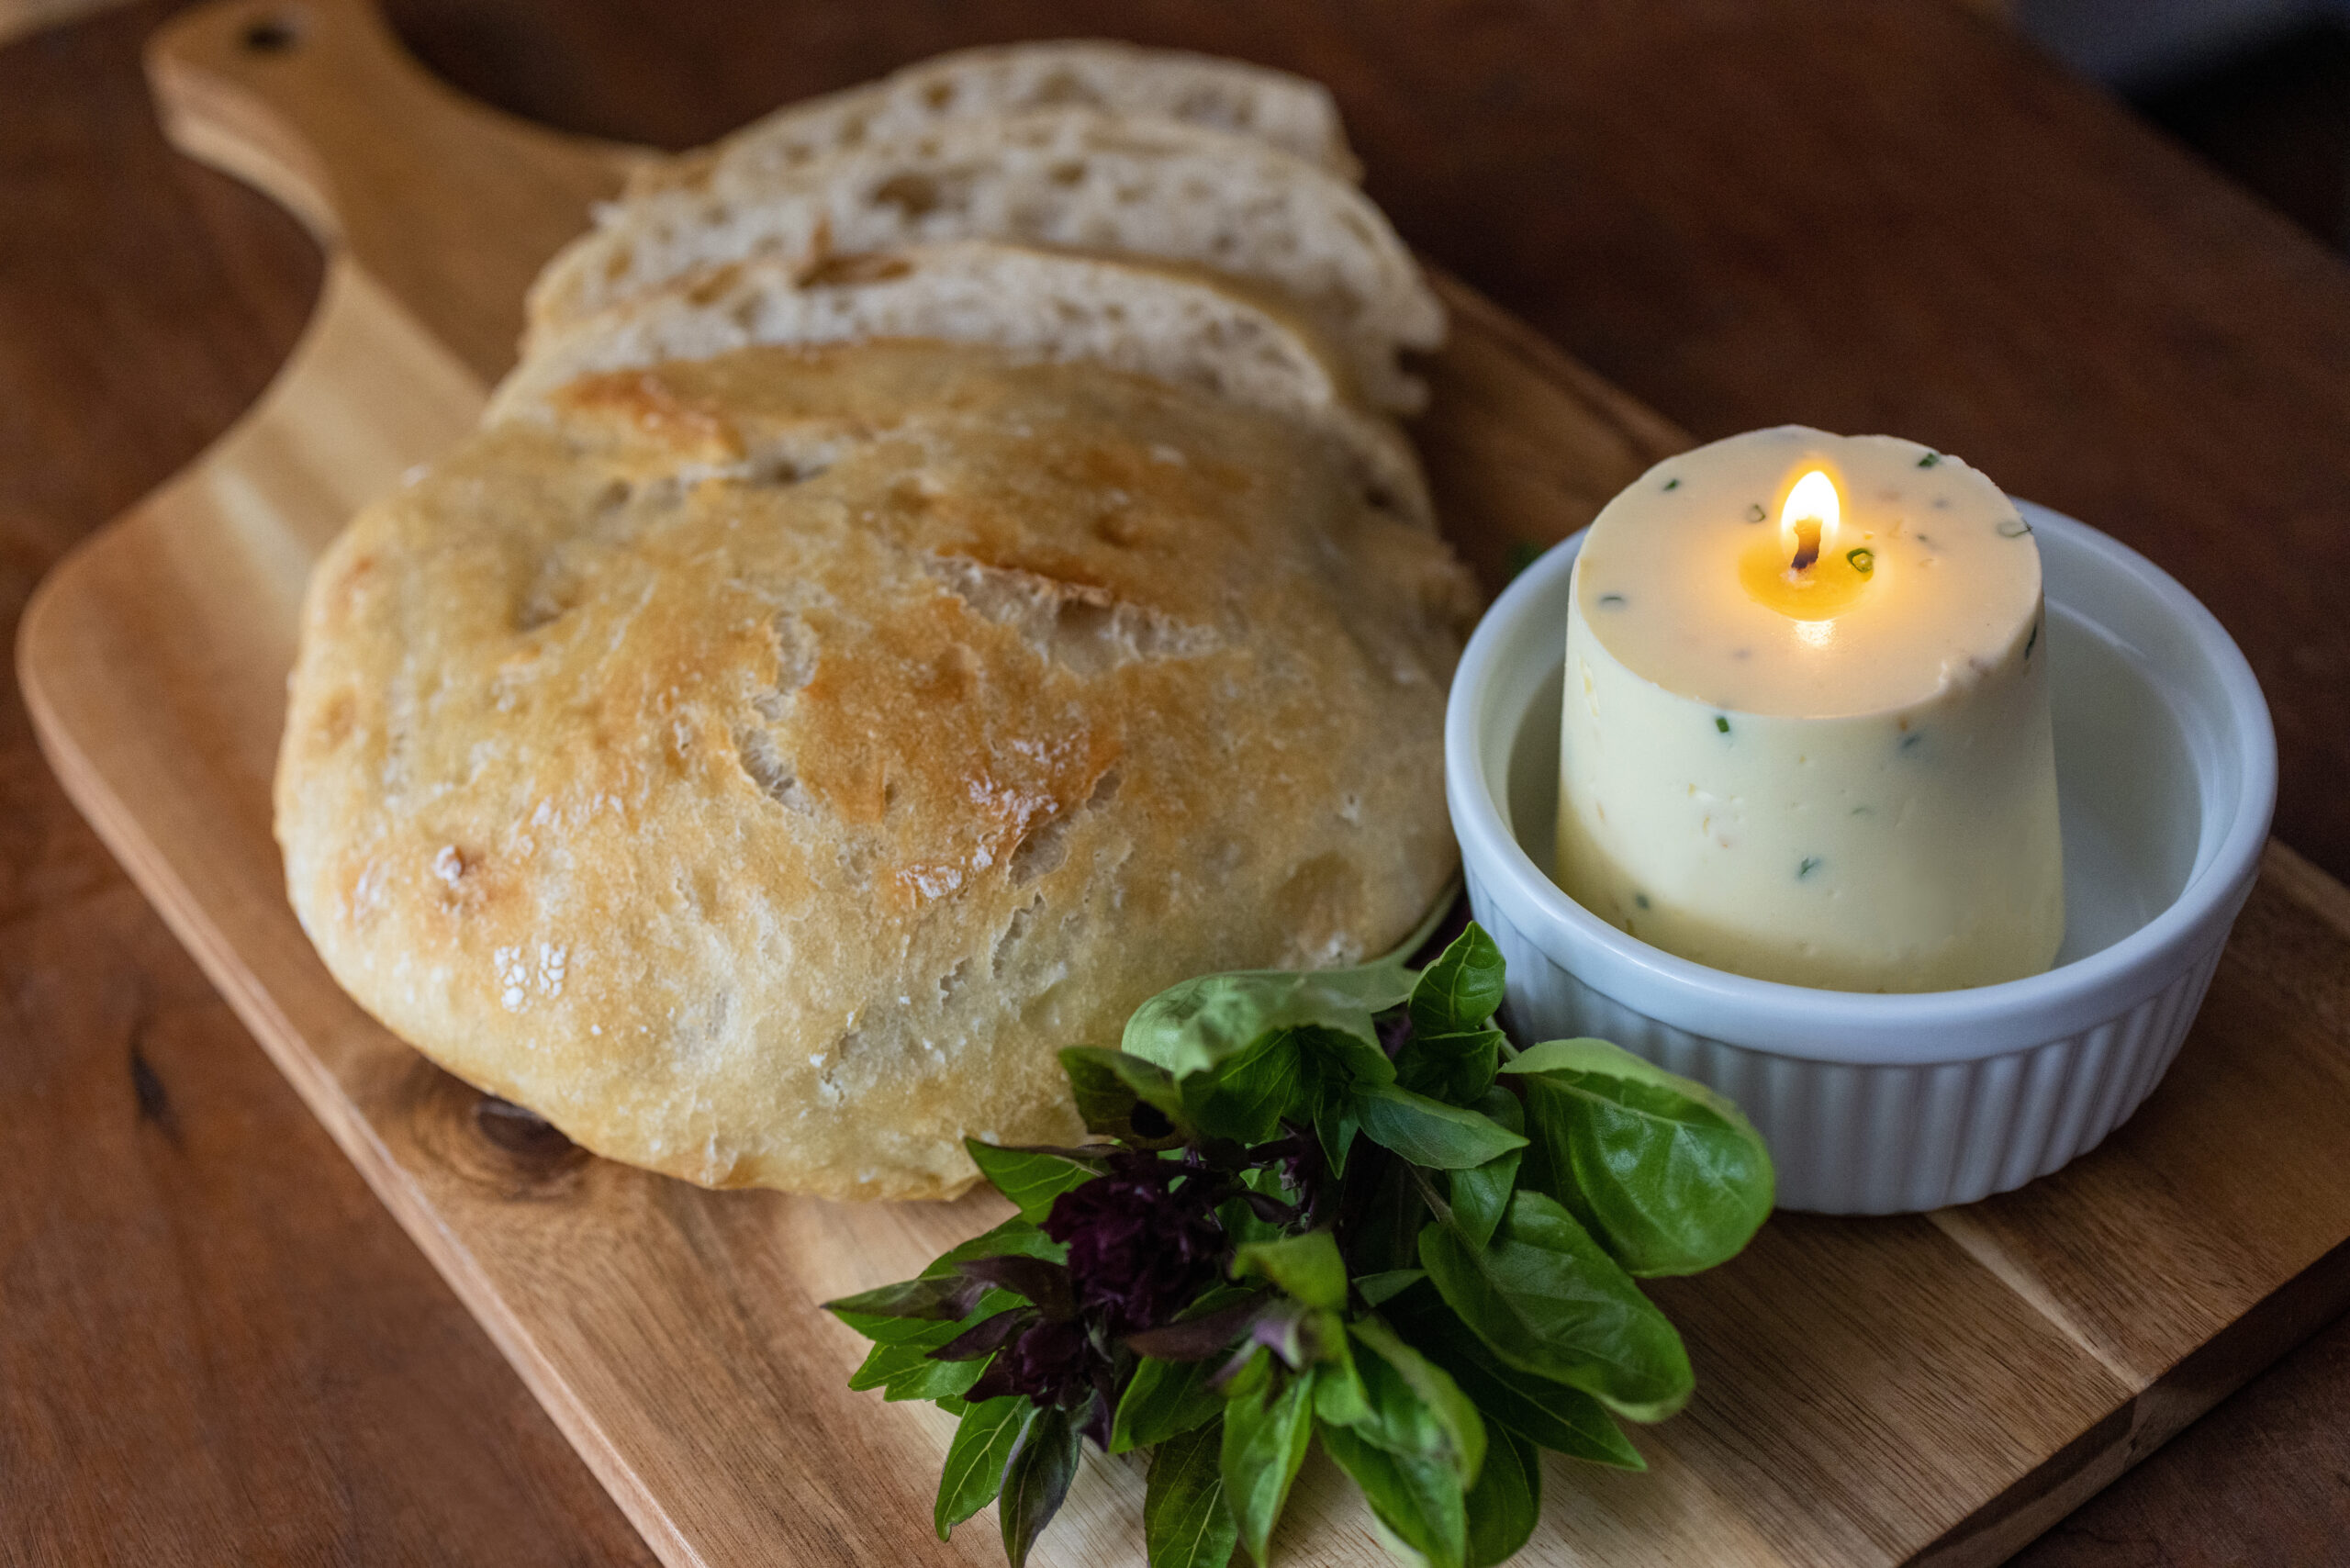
[1806, 543]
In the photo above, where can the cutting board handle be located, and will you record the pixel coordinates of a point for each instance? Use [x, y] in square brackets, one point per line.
[450, 204]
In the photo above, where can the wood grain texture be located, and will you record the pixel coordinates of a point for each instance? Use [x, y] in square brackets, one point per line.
[1859, 1405]
[2252, 1474]
[214, 1344]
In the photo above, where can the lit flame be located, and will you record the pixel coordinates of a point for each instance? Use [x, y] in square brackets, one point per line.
[1808, 522]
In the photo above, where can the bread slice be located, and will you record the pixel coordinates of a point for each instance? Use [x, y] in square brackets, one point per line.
[1288, 112]
[1180, 326]
[1072, 178]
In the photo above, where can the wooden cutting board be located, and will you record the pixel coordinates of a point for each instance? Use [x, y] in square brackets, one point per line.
[1935, 1389]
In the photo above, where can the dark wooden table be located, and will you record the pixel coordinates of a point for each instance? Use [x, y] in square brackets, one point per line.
[1874, 215]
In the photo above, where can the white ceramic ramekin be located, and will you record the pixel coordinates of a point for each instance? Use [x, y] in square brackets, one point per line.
[2167, 776]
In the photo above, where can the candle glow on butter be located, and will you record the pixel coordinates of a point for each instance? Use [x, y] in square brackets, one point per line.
[1806, 725]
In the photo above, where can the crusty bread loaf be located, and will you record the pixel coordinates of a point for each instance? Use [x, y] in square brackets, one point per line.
[763, 765]
[1182, 327]
[1288, 112]
[1073, 178]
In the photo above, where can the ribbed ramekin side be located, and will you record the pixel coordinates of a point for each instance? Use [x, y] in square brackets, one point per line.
[1885, 1138]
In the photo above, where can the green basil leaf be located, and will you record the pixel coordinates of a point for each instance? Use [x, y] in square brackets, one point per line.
[1015, 1237]
[1550, 1413]
[1418, 1503]
[1415, 1407]
[1463, 989]
[1163, 1400]
[1340, 1398]
[1241, 1223]
[925, 1336]
[1031, 1181]
[1455, 1068]
[1429, 1132]
[1326, 1092]
[1267, 1420]
[1194, 1026]
[1198, 1025]
[1308, 1267]
[923, 1330]
[1376, 1288]
[1506, 1503]
[1184, 1521]
[1547, 1300]
[1111, 1088]
[1035, 1479]
[975, 1460]
[1245, 1096]
[1345, 1058]
[1386, 1233]
[933, 1380]
[906, 1371]
[1480, 1193]
[885, 1361]
[1671, 1178]
[1335, 1124]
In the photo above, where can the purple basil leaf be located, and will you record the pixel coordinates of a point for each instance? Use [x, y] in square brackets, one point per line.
[1051, 1363]
[1198, 1338]
[1394, 1028]
[1094, 1424]
[1035, 1479]
[1047, 1284]
[934, 1298]
[996, 1383]
[1288, 1331]
[1278, 1150]
[1143, 1240]
[986, 1339]
[1152, 1127]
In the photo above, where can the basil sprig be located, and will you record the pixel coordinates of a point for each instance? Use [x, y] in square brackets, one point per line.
[1332, 1207]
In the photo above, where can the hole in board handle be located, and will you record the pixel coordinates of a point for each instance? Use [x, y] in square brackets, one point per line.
[274, 34]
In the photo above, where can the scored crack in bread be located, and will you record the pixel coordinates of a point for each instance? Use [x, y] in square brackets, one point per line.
[1072, 178]
[1273, 106]
[1184, 327]
[762, 768]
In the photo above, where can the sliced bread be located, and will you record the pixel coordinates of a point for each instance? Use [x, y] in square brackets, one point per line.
[1273, 106]
[1177, 326]
[1073, 178]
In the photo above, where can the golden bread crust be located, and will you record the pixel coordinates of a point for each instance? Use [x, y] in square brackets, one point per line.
[761, 766]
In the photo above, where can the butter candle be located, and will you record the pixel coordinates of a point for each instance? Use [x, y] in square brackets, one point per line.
[1805, 728]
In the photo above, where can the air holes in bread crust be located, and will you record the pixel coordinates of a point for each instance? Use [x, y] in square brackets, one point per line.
[1045, 849]
[1075, 625]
